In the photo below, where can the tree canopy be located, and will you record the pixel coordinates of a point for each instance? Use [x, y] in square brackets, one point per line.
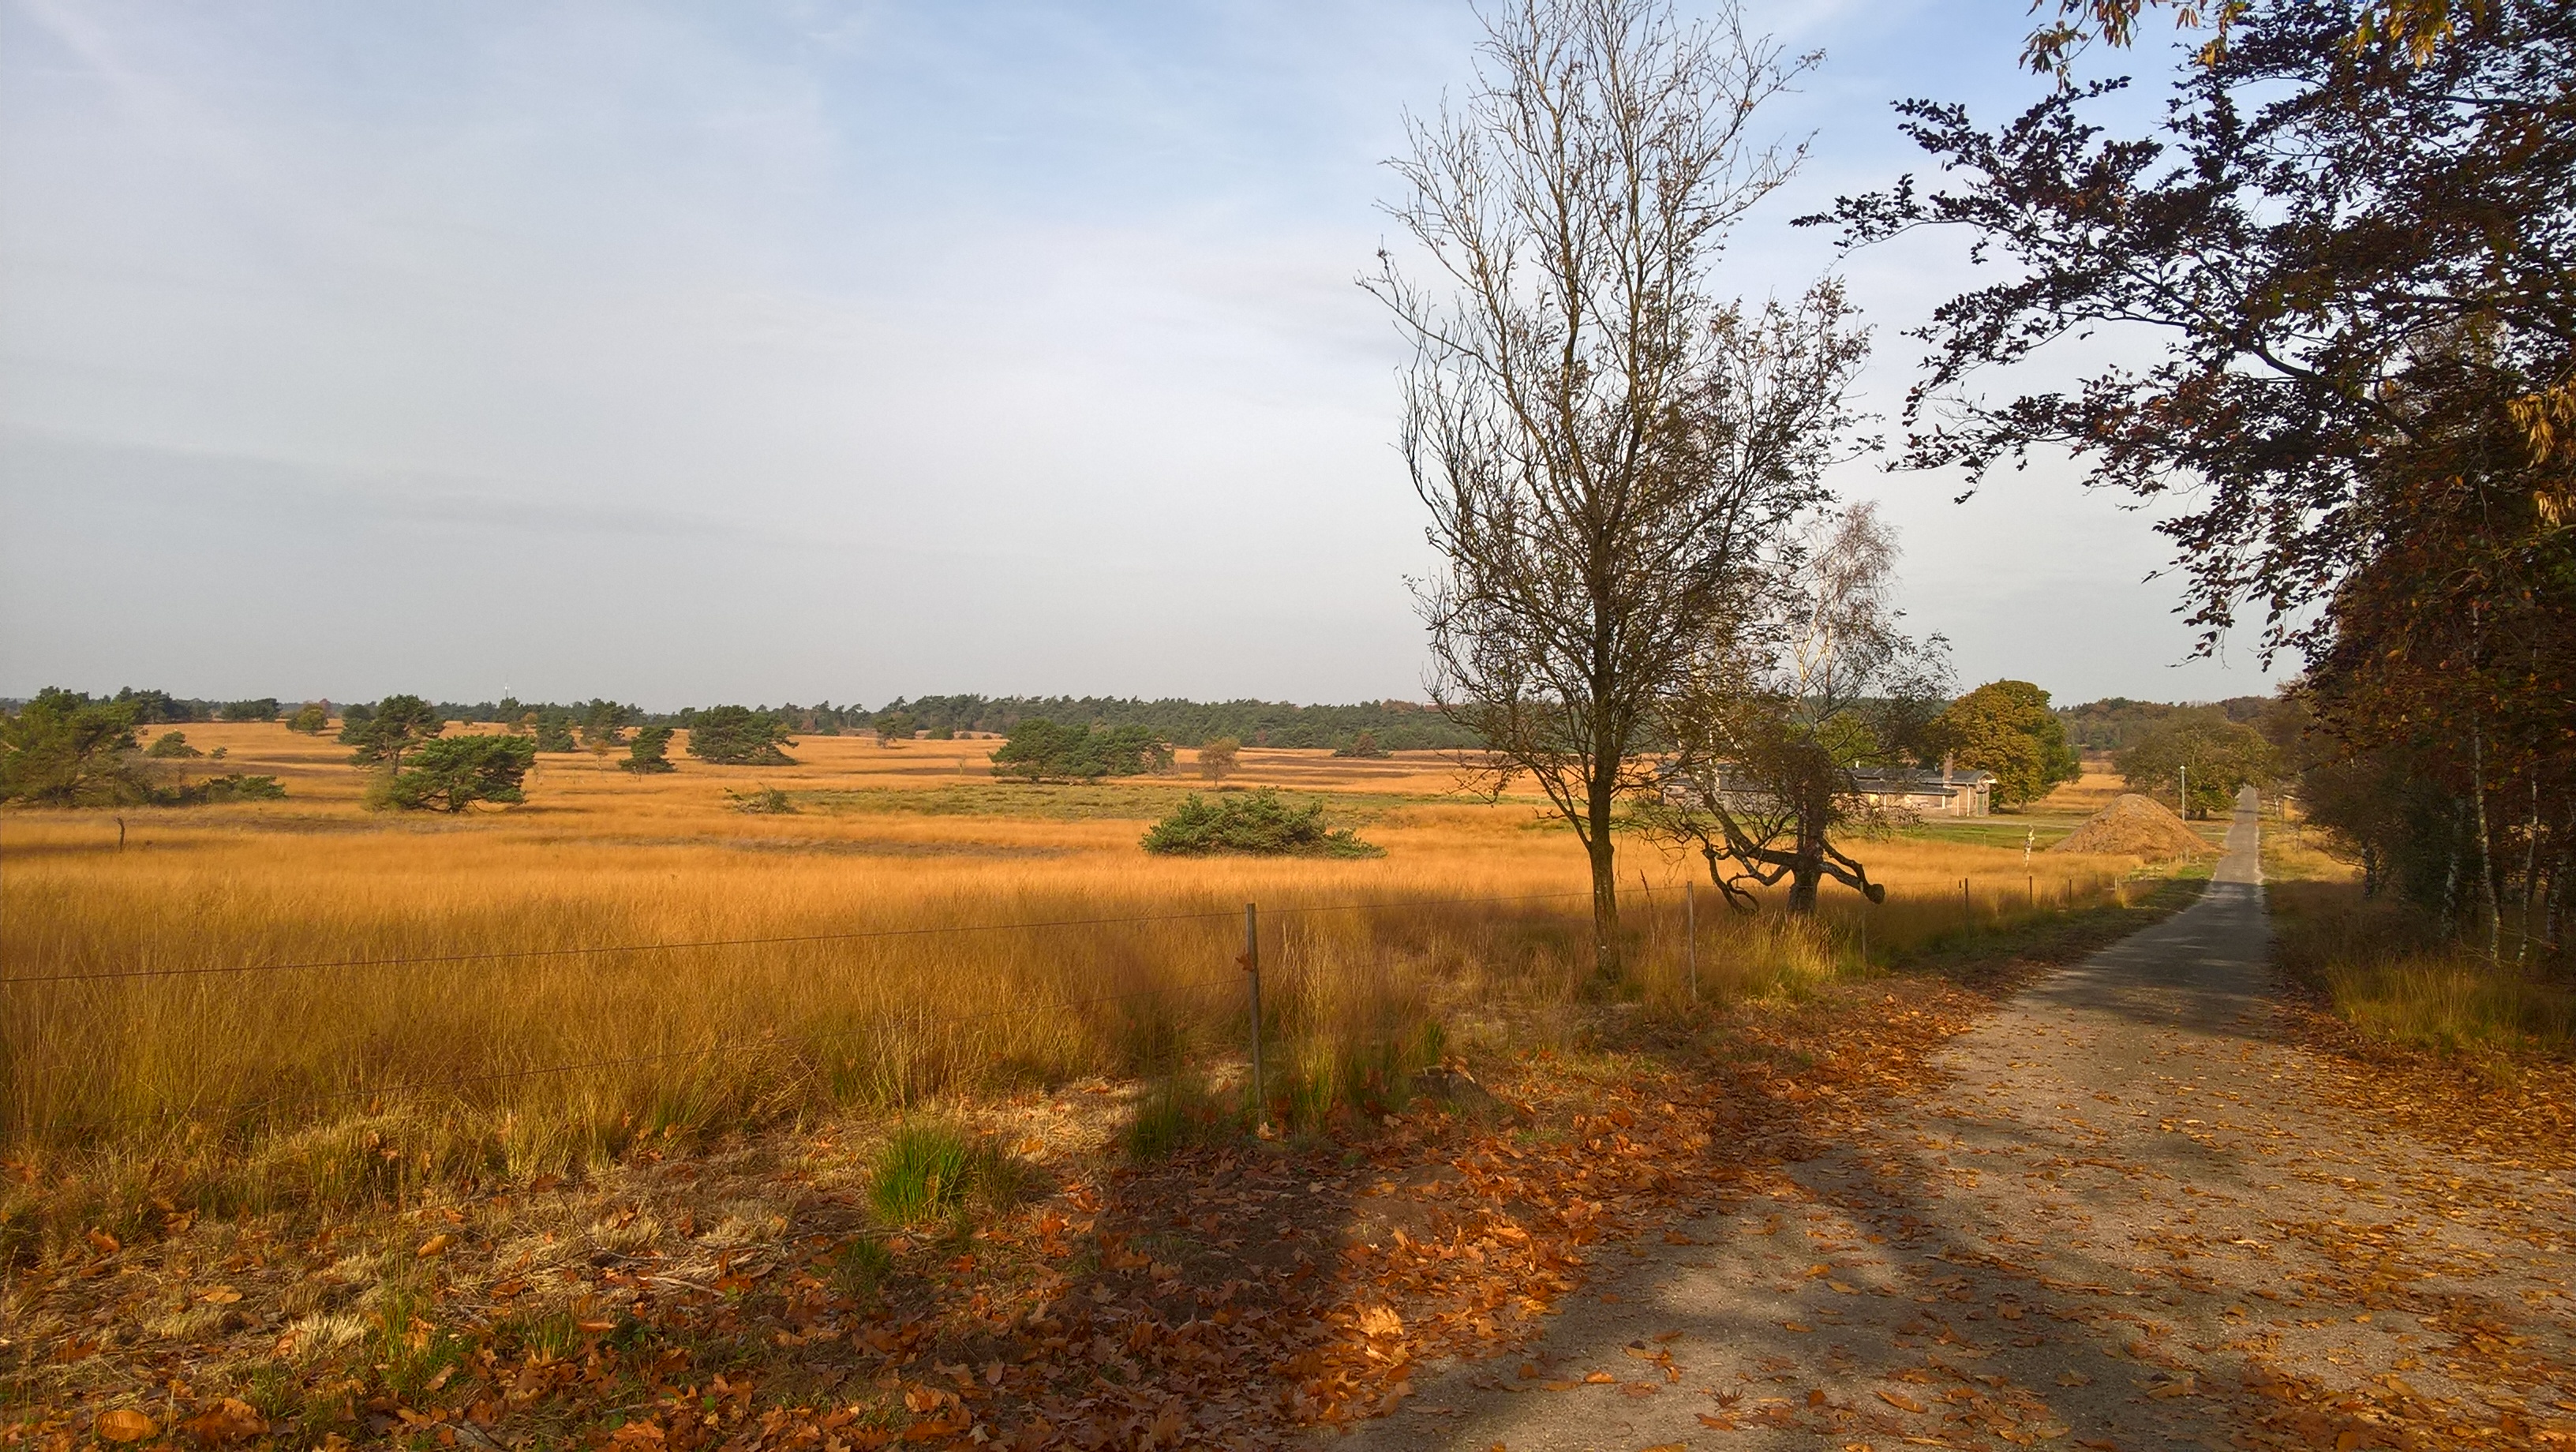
[2220, 757]
[63, 749]
[384, 733]
[740, 736]
[455, 773]
[1041, 750]
[2006, 727]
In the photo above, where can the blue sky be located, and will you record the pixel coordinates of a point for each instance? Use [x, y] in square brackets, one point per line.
[766, 352]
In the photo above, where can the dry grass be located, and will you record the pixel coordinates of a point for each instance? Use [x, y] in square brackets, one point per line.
[2392, 976]
[546, 1041]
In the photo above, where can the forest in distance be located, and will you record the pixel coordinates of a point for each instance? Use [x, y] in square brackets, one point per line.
[2111, 724]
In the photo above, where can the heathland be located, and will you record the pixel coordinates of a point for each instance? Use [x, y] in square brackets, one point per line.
[254, 1046]
[524, 991]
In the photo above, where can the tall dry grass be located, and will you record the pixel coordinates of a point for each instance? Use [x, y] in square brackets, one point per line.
[2394, 975]
[480, 998]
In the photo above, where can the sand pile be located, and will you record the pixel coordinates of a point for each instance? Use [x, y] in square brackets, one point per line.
[2138, 826]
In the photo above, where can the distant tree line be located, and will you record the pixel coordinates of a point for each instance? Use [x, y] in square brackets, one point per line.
[2116, 723]
[1391, 725]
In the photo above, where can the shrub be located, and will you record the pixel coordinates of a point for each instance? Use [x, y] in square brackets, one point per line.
[312, 718]
[762, 801]
[646, 753]
[739, 736]
[171, 745]
[895, 726]
[1040, 750]
[227, 789]
[1260, 824]
[1364, 745]
[456, 772]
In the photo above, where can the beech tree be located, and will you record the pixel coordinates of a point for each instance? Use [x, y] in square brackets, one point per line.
[2347, 262]
[1570, 419]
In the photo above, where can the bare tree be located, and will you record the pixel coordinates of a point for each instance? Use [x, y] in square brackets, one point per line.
[1589, 507]
[1780, 714]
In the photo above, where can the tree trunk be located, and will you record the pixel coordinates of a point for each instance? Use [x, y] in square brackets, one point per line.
[1807, 872]
[2486, 845]
[1605, 877]
[1605, 907]
[1804, 877]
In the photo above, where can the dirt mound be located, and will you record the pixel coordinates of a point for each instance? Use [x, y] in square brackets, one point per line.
[2138, 826]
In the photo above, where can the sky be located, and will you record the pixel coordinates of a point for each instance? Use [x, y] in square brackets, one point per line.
[800, 351]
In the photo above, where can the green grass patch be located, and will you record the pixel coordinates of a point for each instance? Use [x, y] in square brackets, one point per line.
[930, 1172]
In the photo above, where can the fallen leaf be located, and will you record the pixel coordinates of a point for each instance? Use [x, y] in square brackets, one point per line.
[1723, 1424]
[1844, 1289]
[1599, 1378]
[124, 1424]
[218, 1295]
[1794, 1326]
[1381, 1321]
[436, 1245]
[1563, 1385]
[2182, 1388]
[2073, 1378]
[1900, 1401]
[229, 1420]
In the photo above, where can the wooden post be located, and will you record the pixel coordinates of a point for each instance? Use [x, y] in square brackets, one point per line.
[1967, 913]
[1690, 935]
[1252, 970]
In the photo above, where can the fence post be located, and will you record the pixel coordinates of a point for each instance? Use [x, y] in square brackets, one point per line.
[1252, 970]
[1967, 913]
[1690, 935]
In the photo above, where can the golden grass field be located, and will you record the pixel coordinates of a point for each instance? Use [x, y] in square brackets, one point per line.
[532, 1024]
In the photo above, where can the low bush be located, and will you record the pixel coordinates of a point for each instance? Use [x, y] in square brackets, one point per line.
[762, 801]
[227, 789]
[1259, 824]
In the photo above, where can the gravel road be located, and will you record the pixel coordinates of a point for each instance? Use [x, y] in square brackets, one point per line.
[2122, 1217]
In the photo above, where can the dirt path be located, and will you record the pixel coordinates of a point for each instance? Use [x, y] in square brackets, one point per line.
[2124, 1218]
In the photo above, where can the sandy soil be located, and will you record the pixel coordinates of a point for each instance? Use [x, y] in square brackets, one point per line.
[2126, 1216]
